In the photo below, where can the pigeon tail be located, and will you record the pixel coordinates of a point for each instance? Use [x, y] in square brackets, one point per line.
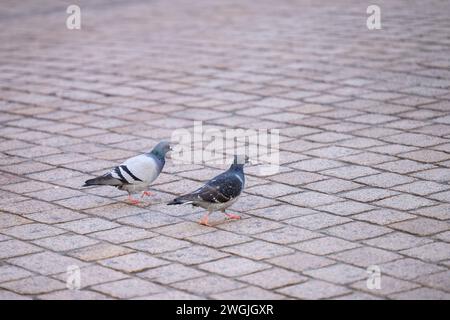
[180, 200]
[106, 179]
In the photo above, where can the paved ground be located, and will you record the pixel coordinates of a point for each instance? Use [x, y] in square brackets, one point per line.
[365, 141]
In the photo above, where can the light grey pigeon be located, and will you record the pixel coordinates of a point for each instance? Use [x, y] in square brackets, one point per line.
[218, 193]
[135, 174]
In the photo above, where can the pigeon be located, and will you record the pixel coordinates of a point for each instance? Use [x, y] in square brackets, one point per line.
[218, 193]
[135, 174]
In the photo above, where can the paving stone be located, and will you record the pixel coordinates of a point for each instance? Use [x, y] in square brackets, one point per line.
[368, 194]
[396, 241]
[287, 235]
[133, 262]
[365, 256]
[338, 273]
[208, 285]
[219, 239]
[128, 288]
[422, 188]
[158, 244]
[409, 268]
[273, 278]
[65, 242]
[94, 274]
[251, 226]
[317, 221]
[422, 294]
[357, 231]
[34, 285]
[388, 285]
[31, 231]
[13, 248]
[249, 293]
[350, 172]
[281, 212]
[310, 199]
[9, 273]
[346, 208]
[324, 245]
[73, 295]
[385, 180]
[258, 250]
[45, 263]
[383, 216]
[171, 273]
[88, 225]
[99, 251]
[314, 289]
[233, 266]
[193, 255]
[123, 234]
[421, 226]
[436, 251]
[405, 202]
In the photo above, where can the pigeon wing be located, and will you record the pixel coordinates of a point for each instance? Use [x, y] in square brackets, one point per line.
[221, 189]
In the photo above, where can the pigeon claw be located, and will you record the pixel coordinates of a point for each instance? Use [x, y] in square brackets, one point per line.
[233, 216]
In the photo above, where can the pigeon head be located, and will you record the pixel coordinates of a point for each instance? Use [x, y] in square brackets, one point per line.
[161, 149]
[239, 162]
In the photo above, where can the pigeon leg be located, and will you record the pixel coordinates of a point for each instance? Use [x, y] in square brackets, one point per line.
[232, 216]
[131, 200]
[146, 193]
[204, 220]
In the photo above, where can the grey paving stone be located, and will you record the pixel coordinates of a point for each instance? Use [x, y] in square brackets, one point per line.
[436, 251]
[365, 256]
[338, 273]
[421, 226]
[409, 268]
[193, 255]
[258, 250]
[171, 273]
[314, 289]
[99, 251]
[128, 288]
[397, 241]
[233, 266]
[133, 262]
[273, 278]
[357, 231]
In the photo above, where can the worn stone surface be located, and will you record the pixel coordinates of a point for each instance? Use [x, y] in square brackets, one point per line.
[364, 120]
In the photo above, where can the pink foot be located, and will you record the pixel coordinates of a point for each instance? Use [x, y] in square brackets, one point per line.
[146, 193]
[132, 201]
[204, 221]
[233, 216]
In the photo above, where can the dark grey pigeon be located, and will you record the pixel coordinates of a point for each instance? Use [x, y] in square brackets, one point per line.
[218, 193]
[135, 174]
